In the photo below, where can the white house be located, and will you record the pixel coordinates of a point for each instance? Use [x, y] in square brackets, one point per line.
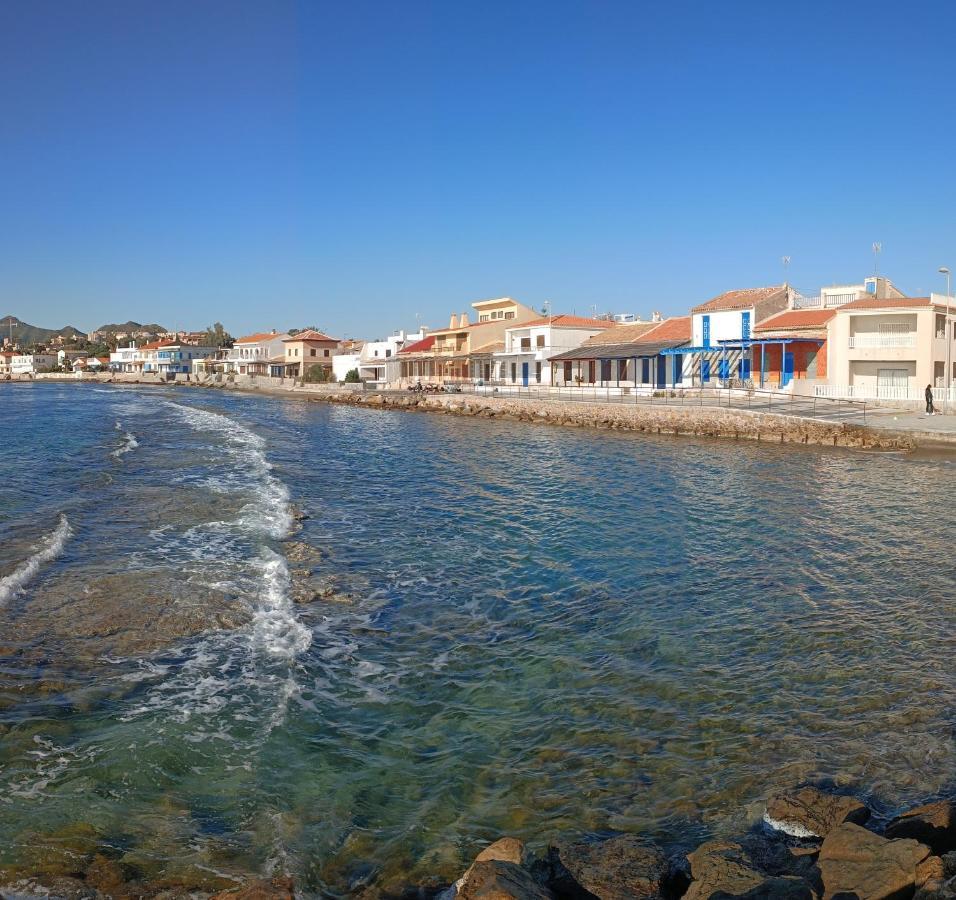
[67, 358]
[379, 364]
[127, 359]
[722, 332]
[252, 354]
[529, 346]
[836, 295]
[177, 359]
[31, 363]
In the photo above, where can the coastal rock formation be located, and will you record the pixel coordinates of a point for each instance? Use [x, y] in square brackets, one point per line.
[275, 889]
[857, 862]
[496, 879]
[810, 812]
[616, 869]
[933, 824]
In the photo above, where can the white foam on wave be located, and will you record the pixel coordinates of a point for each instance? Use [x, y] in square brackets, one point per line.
[275, 627]
[794, 829]
[130, 444]
[48, 549]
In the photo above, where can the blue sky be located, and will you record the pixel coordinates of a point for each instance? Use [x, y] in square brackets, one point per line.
[353, 165]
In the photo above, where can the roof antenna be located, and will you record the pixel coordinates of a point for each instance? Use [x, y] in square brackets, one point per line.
[877, 250]
[786, 269]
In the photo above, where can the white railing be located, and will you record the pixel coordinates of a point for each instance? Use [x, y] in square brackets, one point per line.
[900, 339]
[877, 392]
[801, 302]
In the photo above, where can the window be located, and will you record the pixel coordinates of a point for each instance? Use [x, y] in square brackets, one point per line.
[514, 372]
[510, 315]
[941, 327]
[591, 368]
[537, 372]
[567, 370]
[622, 370]
[326, 352]
[388, 353]
[605, 370]
[526, 343]
[312, 351]
[645, 371]
[539, 341]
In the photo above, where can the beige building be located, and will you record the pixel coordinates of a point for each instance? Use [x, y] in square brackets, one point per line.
[464, 351]
[307, 349]
[889, 348]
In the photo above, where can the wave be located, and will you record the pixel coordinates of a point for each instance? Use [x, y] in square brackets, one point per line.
[49, 548]
[130, 444]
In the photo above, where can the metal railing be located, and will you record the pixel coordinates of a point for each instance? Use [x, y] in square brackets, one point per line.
[899, 339]
[753, 399]
[883, 392]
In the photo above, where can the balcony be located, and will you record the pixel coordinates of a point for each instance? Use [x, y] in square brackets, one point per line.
[870, 341]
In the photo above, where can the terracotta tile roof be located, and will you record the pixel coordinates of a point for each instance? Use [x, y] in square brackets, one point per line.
[741, 299]
[677, 328]
[420, 346]
[155, 345]
[310, 335]
[888, 303]
[621, 334]
[797, 318]
[258, 338]
[566, 321]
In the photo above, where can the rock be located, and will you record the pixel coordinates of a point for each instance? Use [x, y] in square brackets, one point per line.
[276, 889]
[933, 824]
[507, 849]
[615, 869]
[782, 888]
[496, 879]
[301, 552]
[858, 862]
[809, 812]
[721, 867]
[105, 875]
[931, 874]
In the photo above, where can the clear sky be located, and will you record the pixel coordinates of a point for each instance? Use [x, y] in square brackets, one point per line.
[353, 164]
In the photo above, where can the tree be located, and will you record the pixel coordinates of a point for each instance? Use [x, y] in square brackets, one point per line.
[217, 336]
[319, 375]
[352, 377]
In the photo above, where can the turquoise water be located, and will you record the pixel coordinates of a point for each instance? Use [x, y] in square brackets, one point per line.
[551, 631]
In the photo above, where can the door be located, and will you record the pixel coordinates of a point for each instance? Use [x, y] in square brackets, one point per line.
[787, 375]
[678, 368]
[524, 374]
[662, 371]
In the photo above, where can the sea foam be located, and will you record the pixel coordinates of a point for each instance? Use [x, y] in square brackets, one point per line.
[46, 550]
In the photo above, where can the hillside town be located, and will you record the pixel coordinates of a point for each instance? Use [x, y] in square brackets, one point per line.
[867, 340]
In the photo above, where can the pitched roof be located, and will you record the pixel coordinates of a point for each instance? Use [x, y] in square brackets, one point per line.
[621, 334]
[888, 303]
[796, 319]
[740, 299]
[259, 337]
[310, 334]
[420, 346]
[566, 321]
[677, 328]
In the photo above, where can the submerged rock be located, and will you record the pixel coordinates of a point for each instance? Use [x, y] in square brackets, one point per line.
[496, 879]
[810, 812]
[276, 889]
[854, 861]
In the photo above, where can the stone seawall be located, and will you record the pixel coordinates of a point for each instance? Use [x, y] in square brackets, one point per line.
[702, 421]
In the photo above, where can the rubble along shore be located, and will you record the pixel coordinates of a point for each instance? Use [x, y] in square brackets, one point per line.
[690, 420]
[810, 844]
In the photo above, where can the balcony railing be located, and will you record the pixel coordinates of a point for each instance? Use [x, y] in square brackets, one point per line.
[882, 341]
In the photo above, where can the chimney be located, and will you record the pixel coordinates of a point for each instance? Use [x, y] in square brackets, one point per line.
[453, 323]
[274, 331]
[657, 317]
[463, 321]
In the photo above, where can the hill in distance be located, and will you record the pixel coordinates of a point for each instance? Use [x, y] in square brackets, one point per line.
[25, 334]
[131, 326]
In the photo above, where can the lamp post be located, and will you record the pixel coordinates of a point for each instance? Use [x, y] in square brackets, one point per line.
[947, 336]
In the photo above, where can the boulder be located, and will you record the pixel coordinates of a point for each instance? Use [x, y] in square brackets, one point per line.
[497, 879]
[858, 862]
[721, 867]
[810, 812]
[615, 869]
[506, 849]
[776, 888]
[933, 824]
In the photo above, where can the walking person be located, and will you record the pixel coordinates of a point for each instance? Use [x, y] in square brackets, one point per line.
[930, 409]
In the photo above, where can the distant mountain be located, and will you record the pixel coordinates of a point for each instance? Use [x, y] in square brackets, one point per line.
[25, 334]
[130, 327]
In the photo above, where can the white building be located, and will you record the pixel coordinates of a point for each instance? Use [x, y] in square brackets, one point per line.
[379, 364]
[127, 359]
[177, 359]
[529, 346]
[836, 295]
[31, 363]
[67, 358]
[253, 354]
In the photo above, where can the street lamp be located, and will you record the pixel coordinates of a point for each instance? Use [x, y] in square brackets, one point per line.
[947, 336]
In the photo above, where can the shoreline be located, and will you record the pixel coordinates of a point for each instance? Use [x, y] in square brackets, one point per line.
[644, 418]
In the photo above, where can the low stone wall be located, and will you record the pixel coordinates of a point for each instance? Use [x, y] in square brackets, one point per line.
[689, 420]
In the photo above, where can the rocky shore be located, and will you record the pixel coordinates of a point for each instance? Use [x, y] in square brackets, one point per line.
[810, 845]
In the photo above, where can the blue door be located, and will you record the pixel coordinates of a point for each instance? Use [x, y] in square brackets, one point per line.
[744, 368]
[662, 371]
[524, 374]
[787, 375]
[705, 370]
[678, 368]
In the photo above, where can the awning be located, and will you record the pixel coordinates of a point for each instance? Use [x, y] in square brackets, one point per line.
[632, 350]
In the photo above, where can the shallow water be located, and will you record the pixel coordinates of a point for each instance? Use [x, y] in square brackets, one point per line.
[554, 631]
